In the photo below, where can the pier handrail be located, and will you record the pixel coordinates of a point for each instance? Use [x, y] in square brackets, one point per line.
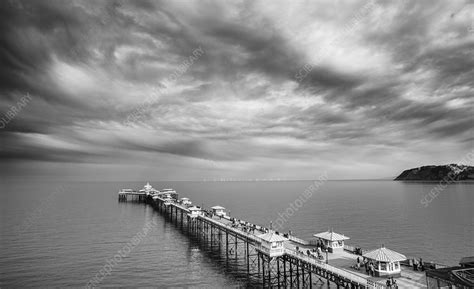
[250, 236]
[180, 207]
[130, 192]
[298, 240]
[409, 260]
[341, 272]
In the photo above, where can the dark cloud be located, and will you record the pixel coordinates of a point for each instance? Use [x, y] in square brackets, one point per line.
[399, 78]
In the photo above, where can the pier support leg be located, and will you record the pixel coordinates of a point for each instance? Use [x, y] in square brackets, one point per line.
[219, 239]
[213, 235]
[291, 274]
[269, 271]
[227, 246]
[248, 259]
[302, 275]
[278, 271]
[297, 274]
[258, 265]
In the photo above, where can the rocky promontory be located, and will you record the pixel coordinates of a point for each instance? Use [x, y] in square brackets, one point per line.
[452, 172]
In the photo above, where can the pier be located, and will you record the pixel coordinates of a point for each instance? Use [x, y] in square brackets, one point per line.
[272, 259]
[131, 195]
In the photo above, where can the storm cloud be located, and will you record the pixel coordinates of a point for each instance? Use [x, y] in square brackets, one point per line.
[390, 86]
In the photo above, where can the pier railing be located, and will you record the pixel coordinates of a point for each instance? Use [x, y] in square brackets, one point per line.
[341, 272]
[181, 207]
[353, 249]
[130, 192]
[427, 264]
[237, 231]
[298, 240]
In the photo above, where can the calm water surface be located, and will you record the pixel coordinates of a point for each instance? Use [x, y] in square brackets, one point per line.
[55, 238]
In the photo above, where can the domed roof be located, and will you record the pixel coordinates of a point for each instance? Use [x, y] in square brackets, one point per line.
[385, 255]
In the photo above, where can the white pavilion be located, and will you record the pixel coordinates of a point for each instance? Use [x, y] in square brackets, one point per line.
[386, 261]
[272, 244]
[218, 211]
[194, 211]
[332, 240]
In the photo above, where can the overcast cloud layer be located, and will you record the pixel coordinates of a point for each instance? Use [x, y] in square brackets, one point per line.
[281, 89]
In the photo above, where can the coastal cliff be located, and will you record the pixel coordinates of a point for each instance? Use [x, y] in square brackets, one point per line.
[435, 173]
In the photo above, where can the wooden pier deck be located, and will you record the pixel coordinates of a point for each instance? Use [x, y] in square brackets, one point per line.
[292, 268]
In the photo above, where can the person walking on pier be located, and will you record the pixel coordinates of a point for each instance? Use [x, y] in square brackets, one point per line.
[388, 283]
[394, 283]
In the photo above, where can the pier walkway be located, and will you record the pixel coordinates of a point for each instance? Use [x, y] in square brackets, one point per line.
[272, 259]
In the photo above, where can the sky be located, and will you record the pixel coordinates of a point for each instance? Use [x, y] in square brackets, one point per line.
[193, 90]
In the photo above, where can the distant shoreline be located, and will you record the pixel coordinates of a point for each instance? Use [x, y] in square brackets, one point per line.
[449, 173]
[433, 181]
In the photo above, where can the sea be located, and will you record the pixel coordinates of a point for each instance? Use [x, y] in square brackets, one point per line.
[57, 235]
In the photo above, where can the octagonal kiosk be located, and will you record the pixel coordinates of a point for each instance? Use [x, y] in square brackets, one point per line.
[272, 244]
[334, 242]
[386, 262]
[218, 211]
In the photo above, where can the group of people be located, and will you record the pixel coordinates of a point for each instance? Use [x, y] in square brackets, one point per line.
[368, 265]
[418, 265]
[391, 283]
[357, 264]
[246, 226]
[315, 252]
[320, 244]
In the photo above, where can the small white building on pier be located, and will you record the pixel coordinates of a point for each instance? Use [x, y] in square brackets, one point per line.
[219, 211]
[331, 240]
[147, 187]
[194, 212]
[272, 244]
[185, 201]
[386, 262]
[148, 190]
[168, 193]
